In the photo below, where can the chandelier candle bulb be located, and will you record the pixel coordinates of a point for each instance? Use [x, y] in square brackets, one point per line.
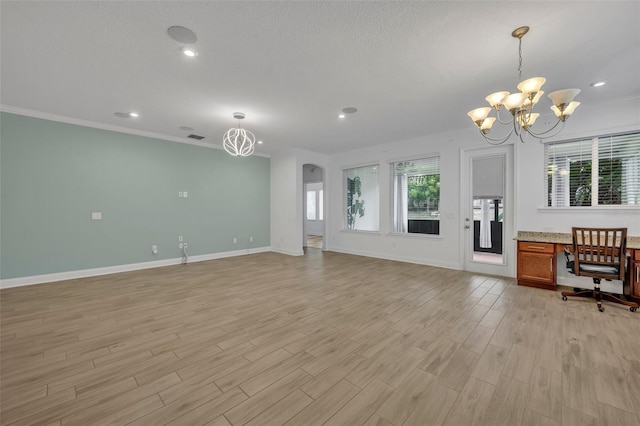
[526, 120]
[495, 99]
[529, 103]
[531, 85]
[563, 97]
[479, 114]
[486, 124]
[514, 102]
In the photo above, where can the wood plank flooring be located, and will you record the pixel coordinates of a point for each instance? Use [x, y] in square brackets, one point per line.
[325, 338]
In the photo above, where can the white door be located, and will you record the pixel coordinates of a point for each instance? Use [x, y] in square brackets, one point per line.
[487, 210]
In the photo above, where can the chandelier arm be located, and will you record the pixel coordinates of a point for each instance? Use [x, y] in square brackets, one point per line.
[516, 127]
[498, 117]
[493, 141]
[543, 135]
[522, 136]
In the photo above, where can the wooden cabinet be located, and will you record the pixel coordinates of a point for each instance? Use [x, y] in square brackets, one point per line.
[634, 276]
[537, 265]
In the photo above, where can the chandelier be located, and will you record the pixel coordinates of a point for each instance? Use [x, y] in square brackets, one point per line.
[521, 105]
[239, 142]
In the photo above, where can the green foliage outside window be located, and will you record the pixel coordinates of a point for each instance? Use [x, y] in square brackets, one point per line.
[424, 192]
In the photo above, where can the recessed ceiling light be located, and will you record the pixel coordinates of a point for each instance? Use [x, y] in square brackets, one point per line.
[349, 110]
[598, 83]
[341, 115]
[259, 142]
[126, 114]
[182, 34]
[189, 51]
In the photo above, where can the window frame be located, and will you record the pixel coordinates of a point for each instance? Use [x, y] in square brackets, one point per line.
[392, 205]
[595, 148]
[345, 170]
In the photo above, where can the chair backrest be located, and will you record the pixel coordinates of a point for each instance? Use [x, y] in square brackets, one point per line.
[600, 252]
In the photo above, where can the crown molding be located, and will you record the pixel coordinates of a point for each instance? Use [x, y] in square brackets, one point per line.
[109, 127]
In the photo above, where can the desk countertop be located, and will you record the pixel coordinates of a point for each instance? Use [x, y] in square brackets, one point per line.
[563, 238]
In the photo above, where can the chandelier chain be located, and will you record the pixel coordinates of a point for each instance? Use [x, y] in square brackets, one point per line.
[520, 58]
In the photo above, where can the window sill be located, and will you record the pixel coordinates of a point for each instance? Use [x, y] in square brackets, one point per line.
[605, 210]
[357, 231]
[415, 235]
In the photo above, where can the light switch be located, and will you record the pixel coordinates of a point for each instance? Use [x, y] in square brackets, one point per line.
[185, 194]
[179, 194]
[96, 215]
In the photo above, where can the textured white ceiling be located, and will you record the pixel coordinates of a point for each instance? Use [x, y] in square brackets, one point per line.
[411, 68]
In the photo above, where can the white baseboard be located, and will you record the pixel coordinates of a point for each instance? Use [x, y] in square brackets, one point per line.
[419, 261]
[288, 252]
[84, 273]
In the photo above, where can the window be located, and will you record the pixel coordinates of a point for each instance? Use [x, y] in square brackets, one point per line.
[362, 197]
[603, 170]
[311, 205]
[416, 196]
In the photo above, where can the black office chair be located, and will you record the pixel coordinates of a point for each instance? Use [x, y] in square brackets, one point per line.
[599, 253]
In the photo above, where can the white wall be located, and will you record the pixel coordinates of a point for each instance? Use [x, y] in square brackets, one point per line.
[442, 250]
[287, 198]
[286, 211]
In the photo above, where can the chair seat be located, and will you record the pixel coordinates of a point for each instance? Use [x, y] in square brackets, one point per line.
[601, 269]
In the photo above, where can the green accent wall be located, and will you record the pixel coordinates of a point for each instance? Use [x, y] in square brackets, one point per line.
[54, 175]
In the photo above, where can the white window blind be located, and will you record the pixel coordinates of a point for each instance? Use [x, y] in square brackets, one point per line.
[619, 170]
[603, 170]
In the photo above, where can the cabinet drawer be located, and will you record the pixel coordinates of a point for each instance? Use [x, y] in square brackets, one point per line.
[536, 247]
[636, 255]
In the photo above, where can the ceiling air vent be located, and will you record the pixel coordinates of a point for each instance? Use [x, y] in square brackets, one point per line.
[193, 136]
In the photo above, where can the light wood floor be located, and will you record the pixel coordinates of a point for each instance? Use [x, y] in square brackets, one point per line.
[326, 338]
[314, 241]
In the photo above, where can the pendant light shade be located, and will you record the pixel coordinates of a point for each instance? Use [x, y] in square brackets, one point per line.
[237, 141]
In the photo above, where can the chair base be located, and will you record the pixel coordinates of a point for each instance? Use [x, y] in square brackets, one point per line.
[599, 297]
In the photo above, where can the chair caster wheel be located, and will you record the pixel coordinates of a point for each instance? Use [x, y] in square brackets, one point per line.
[564, 297]
[633, 309]
[601, 308]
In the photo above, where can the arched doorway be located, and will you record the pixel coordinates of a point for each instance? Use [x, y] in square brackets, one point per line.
[313, 200]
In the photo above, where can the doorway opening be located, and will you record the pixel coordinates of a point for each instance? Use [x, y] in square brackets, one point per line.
[313, 207]
[486, 204]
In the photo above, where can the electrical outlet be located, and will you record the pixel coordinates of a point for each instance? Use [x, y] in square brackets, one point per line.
[154, 249]
[250, 239]
[180, 245]
[235, 240]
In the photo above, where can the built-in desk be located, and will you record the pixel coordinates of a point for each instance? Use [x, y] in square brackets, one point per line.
[537, 264]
